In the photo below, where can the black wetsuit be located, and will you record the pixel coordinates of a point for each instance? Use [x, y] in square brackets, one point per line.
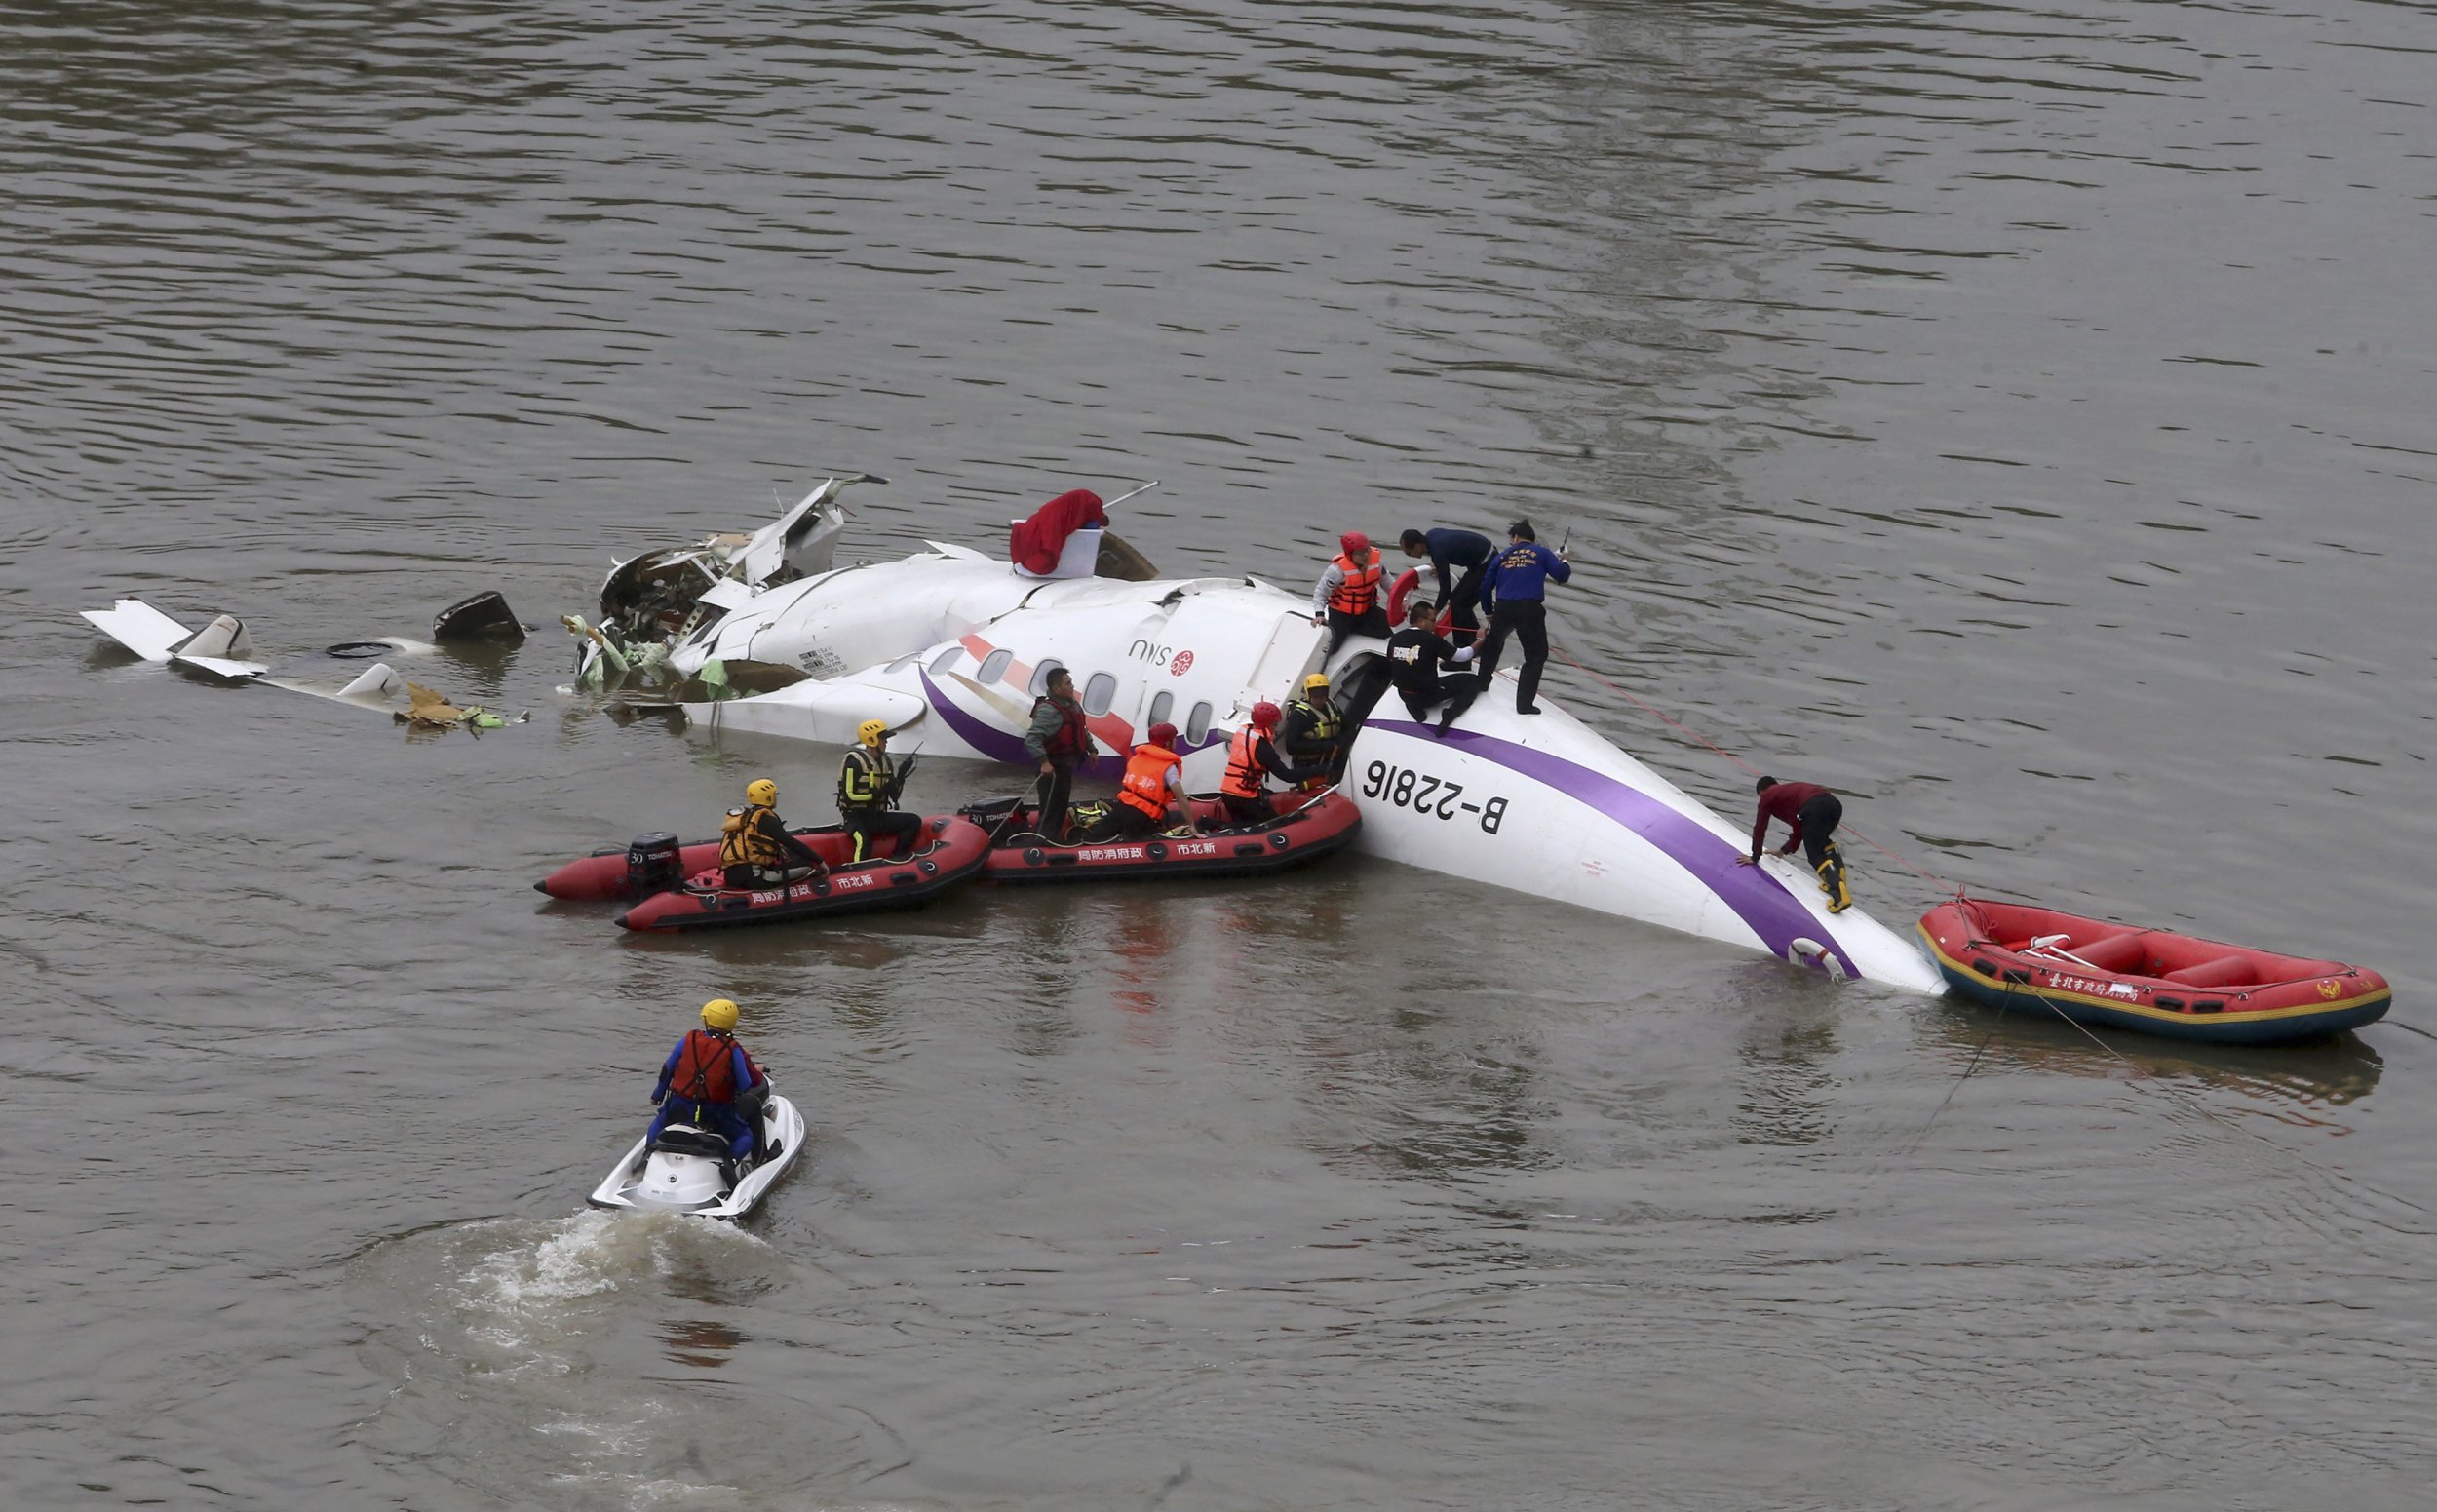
[1416, 659]
[1468, 551]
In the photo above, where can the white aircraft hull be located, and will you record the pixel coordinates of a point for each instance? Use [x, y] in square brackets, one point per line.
[1543, 804]
[957, 643]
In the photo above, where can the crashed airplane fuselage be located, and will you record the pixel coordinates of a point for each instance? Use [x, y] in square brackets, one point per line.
[961, 643]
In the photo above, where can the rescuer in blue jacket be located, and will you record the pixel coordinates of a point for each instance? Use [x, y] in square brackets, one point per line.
[1511, 590]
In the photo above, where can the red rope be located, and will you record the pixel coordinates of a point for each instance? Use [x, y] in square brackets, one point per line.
[1704, 740]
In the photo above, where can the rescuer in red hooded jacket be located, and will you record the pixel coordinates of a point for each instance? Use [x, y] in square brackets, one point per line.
[1351, 598]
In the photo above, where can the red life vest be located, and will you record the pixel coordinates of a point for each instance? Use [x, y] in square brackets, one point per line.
[1243, 769]
[1361, 588]
[1146, 779]
[1069, 744]
[706, 1068]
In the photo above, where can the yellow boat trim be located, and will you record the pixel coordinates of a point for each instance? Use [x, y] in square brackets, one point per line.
[2232, 1014]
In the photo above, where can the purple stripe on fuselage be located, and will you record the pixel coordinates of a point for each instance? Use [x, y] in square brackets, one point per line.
[1000, 746]
[1757, 897]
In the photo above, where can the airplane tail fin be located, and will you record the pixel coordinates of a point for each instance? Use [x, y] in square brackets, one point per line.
[378, 681]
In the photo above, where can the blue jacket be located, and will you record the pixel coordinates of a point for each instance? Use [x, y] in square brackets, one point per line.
[1462, 549]
[1521, 572]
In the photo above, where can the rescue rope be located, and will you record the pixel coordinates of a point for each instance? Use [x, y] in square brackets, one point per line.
[1929, 876]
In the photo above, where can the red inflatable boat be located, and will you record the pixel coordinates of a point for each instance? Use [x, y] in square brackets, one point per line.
[1305, 830]
[2012, 955]
[679, 886]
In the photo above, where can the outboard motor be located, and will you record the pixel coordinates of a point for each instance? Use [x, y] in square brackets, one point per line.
[654, 865]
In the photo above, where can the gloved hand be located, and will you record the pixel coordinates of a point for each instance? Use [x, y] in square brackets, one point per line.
[1464, 655]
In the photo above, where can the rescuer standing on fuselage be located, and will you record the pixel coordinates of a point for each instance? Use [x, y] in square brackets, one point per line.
[755, 847]
[1812, 813]
[1251, 759]
[1151, 786]
[1452, 551]
[1059, 741]
[1512, 591]
[1349, 596]
[868, 784]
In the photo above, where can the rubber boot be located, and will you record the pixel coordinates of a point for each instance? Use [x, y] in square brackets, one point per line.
[1831, 882]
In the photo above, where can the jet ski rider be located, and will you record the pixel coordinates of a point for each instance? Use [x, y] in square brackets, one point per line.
[1151, 788]
[1348, 599]
[1813, 813]
[709, 1082]
[1059, 741]
[1314, 734]
[868, 785]
[755, 847]
[1250, 760]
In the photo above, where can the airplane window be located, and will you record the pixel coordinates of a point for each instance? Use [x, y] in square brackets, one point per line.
[1197, 723]
[946, 659]
[1100, 693]
[994, 665]
[1041, 676]
[1161, 702]
[904, 662]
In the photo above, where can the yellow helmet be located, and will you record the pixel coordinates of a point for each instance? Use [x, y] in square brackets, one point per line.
[761, 791]
[720, 1014]
[1316, 680]
[872, 731]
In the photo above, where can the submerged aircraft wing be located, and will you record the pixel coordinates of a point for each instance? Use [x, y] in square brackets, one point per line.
[140, 627]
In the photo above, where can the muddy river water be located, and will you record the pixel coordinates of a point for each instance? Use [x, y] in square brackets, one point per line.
[2015, 414]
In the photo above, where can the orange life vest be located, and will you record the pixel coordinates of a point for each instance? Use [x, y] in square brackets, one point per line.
[1146, 779]
[1361, 588]
[706, 1068]
[1245, 773]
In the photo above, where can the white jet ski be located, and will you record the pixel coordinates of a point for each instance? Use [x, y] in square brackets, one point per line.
[1543, 804]
[686, 1170]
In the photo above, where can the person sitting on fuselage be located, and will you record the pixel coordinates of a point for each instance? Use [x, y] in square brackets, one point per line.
[757, 849]
[702, 1077]
[868, 784]
[1415, 656]
[1251, 759]
[1348, 597]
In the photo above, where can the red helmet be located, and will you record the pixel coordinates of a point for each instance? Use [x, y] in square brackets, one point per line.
[1264, 715]
[1355, 544]
[1164, 734]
